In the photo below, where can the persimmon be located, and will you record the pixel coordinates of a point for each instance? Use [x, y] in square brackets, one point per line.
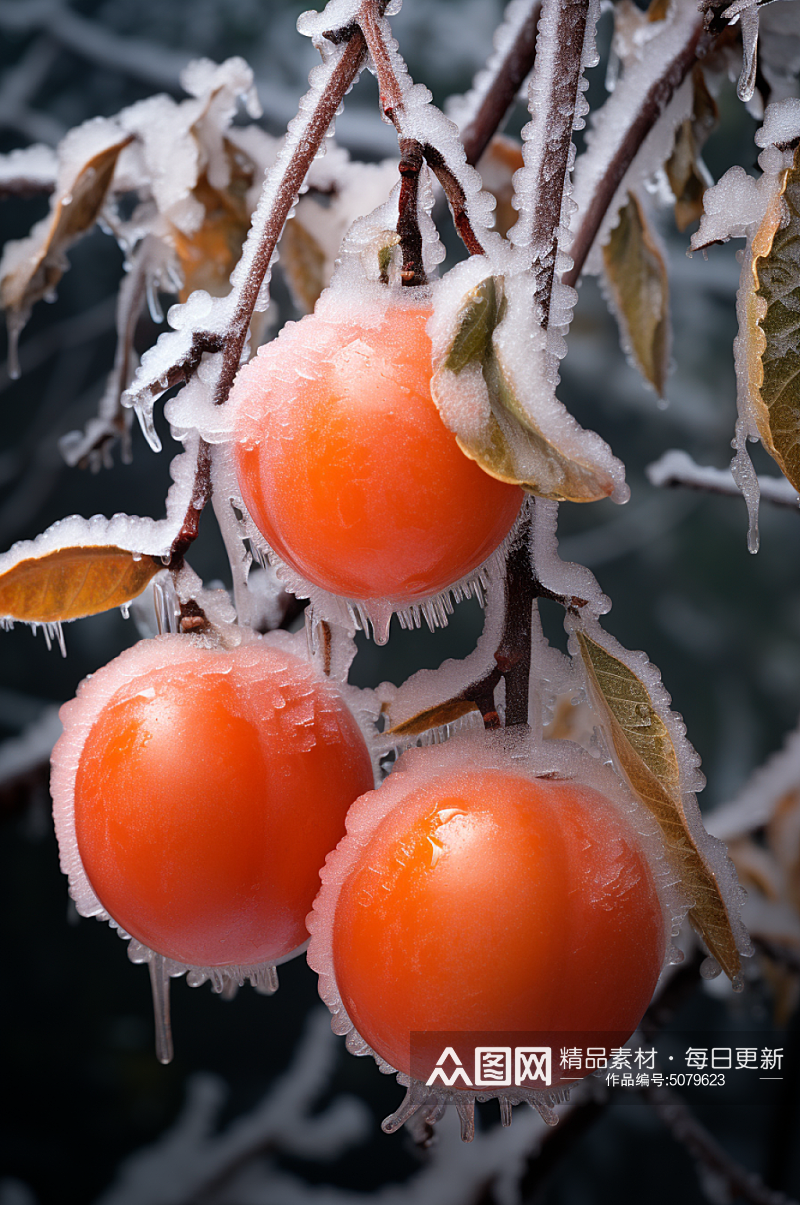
[346, 467]
[197, 792]
[480, 900]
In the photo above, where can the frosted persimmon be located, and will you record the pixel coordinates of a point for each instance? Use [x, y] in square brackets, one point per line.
[346, 467]
[197, 792]
[487, 902]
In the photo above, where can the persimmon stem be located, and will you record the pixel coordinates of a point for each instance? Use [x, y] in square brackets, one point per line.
[411, 160]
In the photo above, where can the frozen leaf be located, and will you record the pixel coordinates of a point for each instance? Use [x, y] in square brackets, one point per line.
[647, 757]
[773, 313]
[637, 279]
[73, 582]
[208, 255]
[304, 262]
[478, 393]
[687, 174]
[434, 717]
[32, 267]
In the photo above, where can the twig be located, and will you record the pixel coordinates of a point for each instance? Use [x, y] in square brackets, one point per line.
[411, 159]
[509, 75]
[553, 92]
[393, 105]
[281, 188]
[641, 122]
[676, 468]
[686, 1129]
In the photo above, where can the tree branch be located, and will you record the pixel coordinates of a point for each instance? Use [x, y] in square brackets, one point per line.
[553, 95]
[630, 140]
[676, 468]
[411, 160]
[281, 187]
[687, 1130]
[509, 74]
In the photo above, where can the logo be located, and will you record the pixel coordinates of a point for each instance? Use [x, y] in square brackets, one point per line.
[532, 1068]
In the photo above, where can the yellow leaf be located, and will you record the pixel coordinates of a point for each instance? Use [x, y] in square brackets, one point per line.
[637, 277]
[73, 582]
[773, 315]
[71, 215]
[509, 445]
[646, 755]
[434, 717]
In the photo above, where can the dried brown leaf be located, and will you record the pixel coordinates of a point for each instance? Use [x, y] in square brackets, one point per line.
[773, 313]
[208, 256]
[637, 278]
[303, 262]
[72, 215]
[434, 717]
[688, 177]
[73, 582]
[647, 757]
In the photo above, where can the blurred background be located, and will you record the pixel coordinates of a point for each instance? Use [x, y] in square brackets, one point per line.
[81, 1088]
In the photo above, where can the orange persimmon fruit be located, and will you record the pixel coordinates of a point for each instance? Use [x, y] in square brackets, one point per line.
[483, 902]
[197, 792]
[346, 467]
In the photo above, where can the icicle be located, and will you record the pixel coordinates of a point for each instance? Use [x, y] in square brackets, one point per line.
[505, 1111]
[14, 323]
[165, 602]
[466, 1115]
[159, 982]
[710, 968]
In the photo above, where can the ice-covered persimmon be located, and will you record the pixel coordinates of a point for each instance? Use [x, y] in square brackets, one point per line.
[499, 904]
[197, 792]
[346, 467]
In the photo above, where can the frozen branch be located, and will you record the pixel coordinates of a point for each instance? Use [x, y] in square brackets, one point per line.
[714, 1163]
[554, 94]
[497, 86]
[624, 122]
[408, 107]
[676, 468]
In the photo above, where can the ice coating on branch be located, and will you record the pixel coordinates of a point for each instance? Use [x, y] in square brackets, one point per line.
[609, 125]
[741, 207]
[31, 166]
[462, 109]
[552, 121]
[511, 751]
[761, 795]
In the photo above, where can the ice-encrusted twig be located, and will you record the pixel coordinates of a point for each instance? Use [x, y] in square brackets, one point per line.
[178, 354]
[725, 1174]
[408, 106]
[755, 804]
[564, 47]
[677, 468]
[480, 113]
[624, 122]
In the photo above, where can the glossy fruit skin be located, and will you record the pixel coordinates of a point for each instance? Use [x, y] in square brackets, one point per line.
[346, 467]
[208, 791]
[499, 904]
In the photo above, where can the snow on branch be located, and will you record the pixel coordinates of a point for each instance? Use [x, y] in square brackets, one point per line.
[676, 468]
[565, 47]
[627, 137]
